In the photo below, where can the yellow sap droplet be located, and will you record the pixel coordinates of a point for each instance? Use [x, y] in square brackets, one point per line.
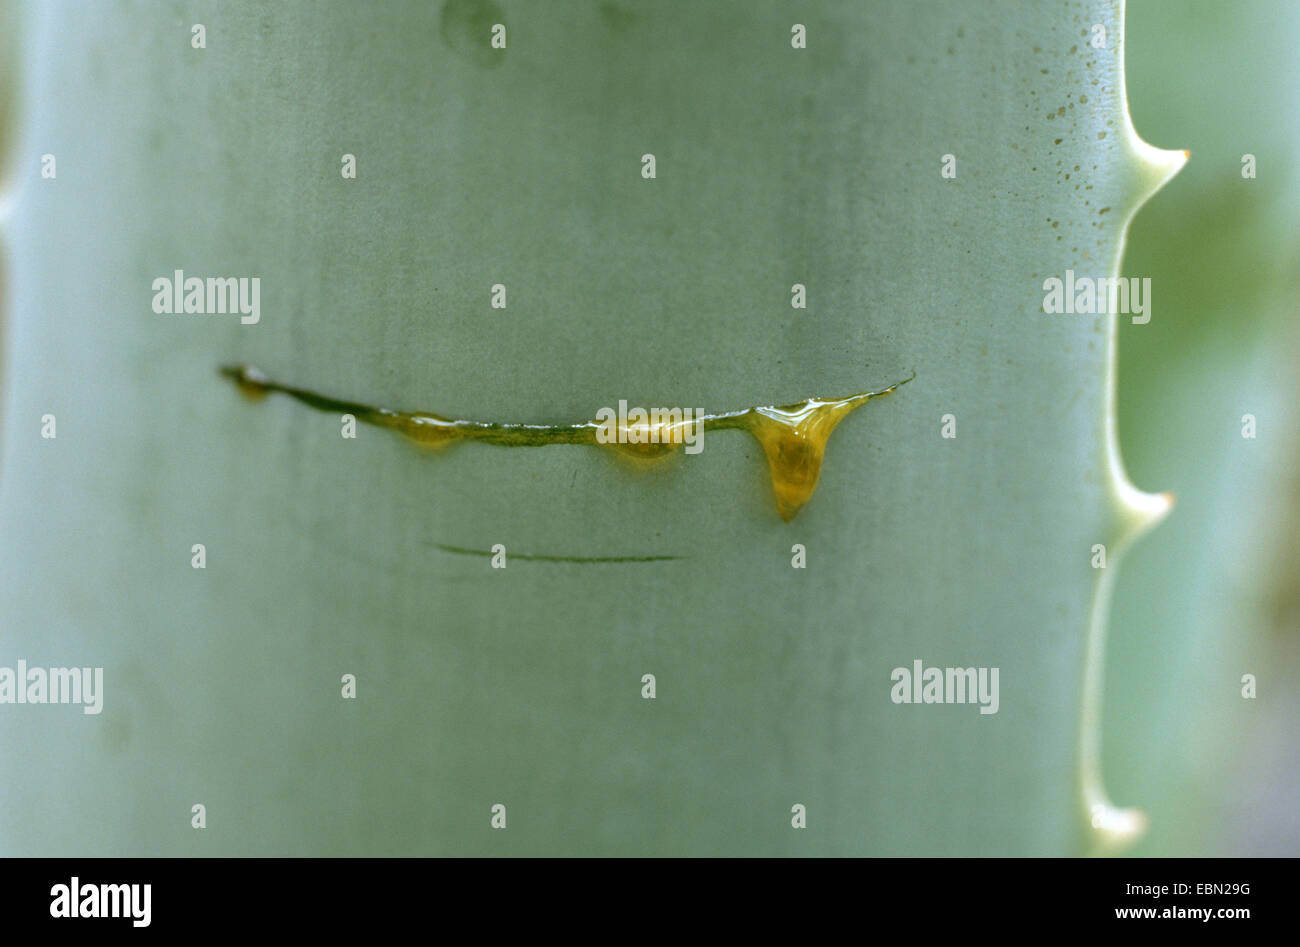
[429, 430]
[251, 383]
[653, 440]
[794, 439]
[643, 451]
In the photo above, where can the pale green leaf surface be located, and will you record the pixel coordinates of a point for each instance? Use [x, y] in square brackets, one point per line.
[521, 686]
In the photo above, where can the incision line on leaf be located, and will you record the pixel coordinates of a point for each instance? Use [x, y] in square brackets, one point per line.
[463, 551]
[793, 436]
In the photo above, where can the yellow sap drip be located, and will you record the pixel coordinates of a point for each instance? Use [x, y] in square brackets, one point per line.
[251, 383]
[794, 440]
[431, 430]
[647, 441]
[793, 437]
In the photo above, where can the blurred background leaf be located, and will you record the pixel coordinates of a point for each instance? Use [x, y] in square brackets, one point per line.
[1213, 593]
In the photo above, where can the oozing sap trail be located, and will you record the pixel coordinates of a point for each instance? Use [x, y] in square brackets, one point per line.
[793, 436]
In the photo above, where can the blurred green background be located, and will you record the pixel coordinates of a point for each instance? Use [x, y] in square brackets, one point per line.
[1214, 593]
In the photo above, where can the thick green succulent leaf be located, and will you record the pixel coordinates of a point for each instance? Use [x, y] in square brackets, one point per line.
[522, 686]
